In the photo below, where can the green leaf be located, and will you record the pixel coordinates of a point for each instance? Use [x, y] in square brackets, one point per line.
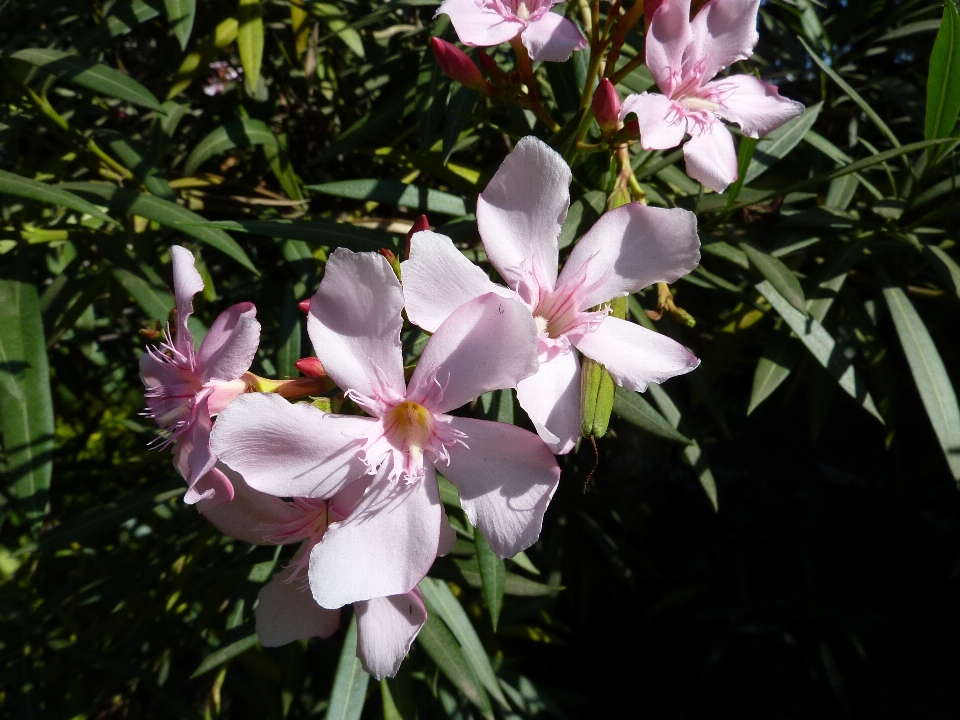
[155, 302]
[320, 232]
[120, 21]
[439, 600]
[854, 95]
[392, 192]
[948, 269]
[822, 346]
[350, 683]
[930, 375]
[13, 184]
[467, 570]
[774, 366]
[26, 406]
[180, 14]
[250, 42]
[135, 157]
[780, 142]
[334, 18]
[433, 87]
[239, 133]
[279, 160]
[91, 75]
[493, 574]
[227, 652]
[634, 409]
[943, 81]
[109, 515]
[745, 151]
[442, 647]
[459, 108]
[778, 275]
[122, 200]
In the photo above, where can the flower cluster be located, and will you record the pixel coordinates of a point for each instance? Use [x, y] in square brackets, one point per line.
[357, 489]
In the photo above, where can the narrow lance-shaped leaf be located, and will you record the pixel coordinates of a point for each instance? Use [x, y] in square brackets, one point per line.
[943, 81]
[350, 683]
[936, 391]
[780, 142]
[13, 184]
[634, 409]
[250, 42]
[493, 574]
[91, 75]
[443, 649]
[180, 14]
[442, 602]
[822, 346]
[123, 200]
[26, 405]
[776, 362]
[778, 275]
[426, 200]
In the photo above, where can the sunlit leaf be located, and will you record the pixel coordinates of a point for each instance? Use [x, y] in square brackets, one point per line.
[26, 405]
[943, 80]
[350, 683]
[180, 15]
[634, 409]
[391, 192]
[774, 366]
[13, 184]
[929, 373]
[492, 574]
[780, 142]
[778, 275]
[250, 41]
[318, 231]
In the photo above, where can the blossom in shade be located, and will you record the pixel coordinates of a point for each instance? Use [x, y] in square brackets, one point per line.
[286, 610]
[186, 387]
[684, 56]
[519, 216]
[547, 36]
[505, 475]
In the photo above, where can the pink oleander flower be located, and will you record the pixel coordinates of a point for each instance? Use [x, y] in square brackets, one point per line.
[504, 474]
[684, 56]
[519, 215]
[286, 610]
[185, 387]
[547, 36]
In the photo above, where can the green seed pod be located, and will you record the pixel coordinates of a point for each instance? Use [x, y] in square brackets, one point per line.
[597, 387]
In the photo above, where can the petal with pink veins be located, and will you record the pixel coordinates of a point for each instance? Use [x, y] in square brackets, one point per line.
[478, 24]
[662, 123]
[487, 344]
[519, 215]
[635, 356]
[355, 322]
[290, 449]
[386, 545]
[552, 38]
[228, 348]
[630, 248]
[251, 516]
[437, 279]
[723, 32]
[710, 156]
[551, 398]
[193, 456]
[286, 611]
[667, 38]
[186, 283]
[757, 107]
[505, 477]
[386, 627]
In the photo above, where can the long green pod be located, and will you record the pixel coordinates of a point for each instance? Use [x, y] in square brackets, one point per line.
[597, 387]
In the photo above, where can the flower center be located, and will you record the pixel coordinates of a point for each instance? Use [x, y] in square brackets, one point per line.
[523, 12]
[542, 324]
[412, 426]
[697, 104]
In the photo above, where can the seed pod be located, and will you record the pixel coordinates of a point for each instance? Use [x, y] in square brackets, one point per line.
[597, 387]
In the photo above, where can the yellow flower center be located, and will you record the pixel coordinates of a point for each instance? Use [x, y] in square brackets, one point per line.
[413, 426]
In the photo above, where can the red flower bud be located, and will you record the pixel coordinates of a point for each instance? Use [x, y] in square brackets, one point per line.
[455, 64]
[649, 8]
[490, 67]
[304, 305]
[310, 367]
[606, 105]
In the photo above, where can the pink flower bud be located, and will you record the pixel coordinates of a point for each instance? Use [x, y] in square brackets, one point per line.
[310, 367]
[420, 225]
[606, 105]
[455, 64]
[304, 305]
[632, 126]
